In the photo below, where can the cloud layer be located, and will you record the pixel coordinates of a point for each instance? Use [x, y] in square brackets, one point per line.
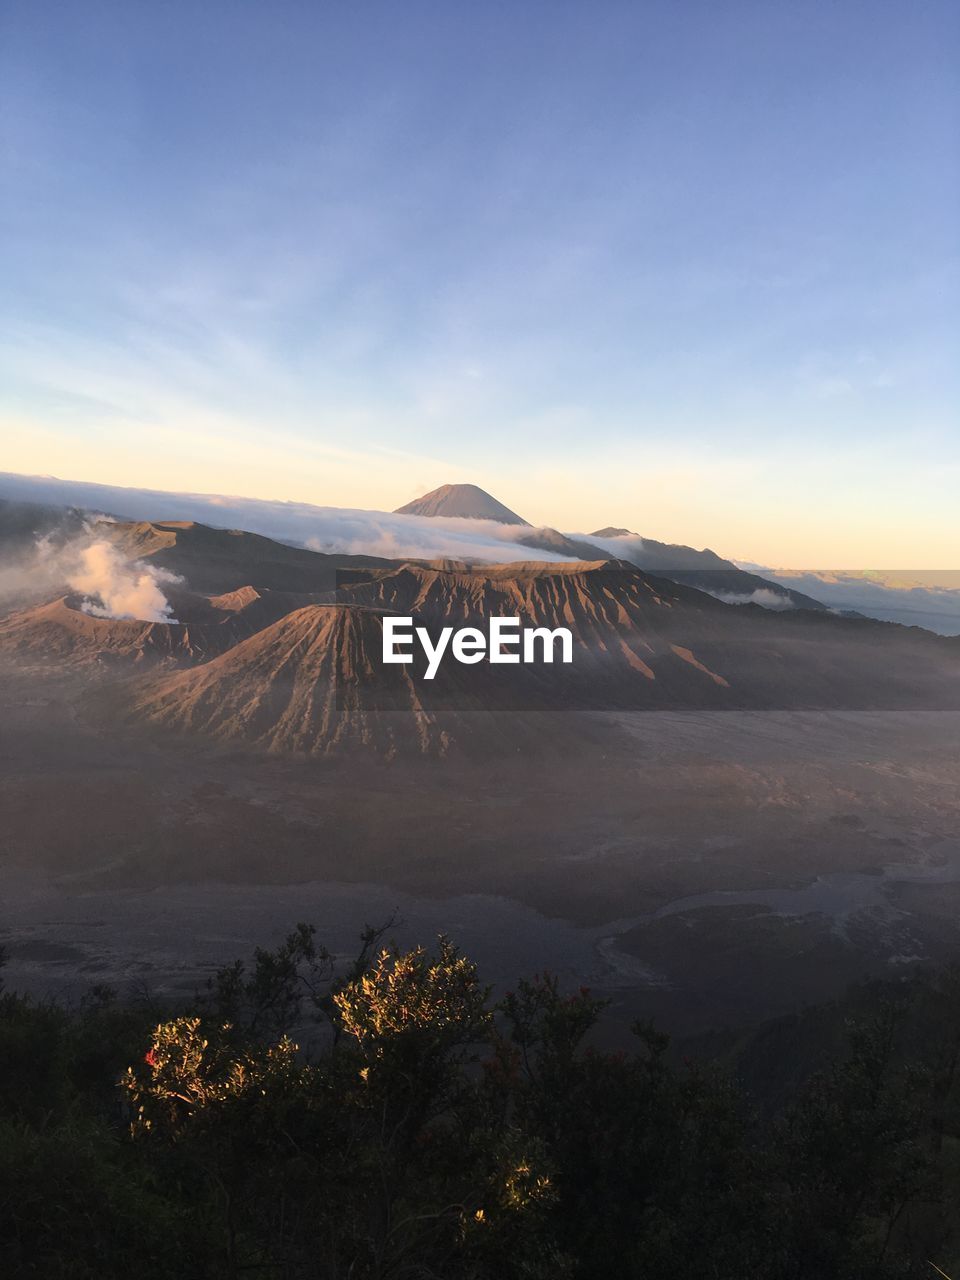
[378, 533]
[930, 603]
[924, 599]
[762, 596]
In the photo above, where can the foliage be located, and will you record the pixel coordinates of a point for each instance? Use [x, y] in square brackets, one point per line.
[426, 1131]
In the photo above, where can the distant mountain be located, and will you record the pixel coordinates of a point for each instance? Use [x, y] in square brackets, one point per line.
[464, 500]
[644, 642]
[333, 530]
[921, 598]
[561, 544]
[274, 554]
[279, 646]
[299, 686]
[61, 632]
[314, 682]
[704, 570]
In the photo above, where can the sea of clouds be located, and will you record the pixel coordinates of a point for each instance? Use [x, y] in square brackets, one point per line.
[355, 532]
[893, 598]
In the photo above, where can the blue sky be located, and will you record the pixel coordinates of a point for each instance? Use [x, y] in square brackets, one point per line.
[690, 268]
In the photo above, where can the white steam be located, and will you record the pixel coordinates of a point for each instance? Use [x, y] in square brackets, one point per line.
[116, 588]
[762, 596]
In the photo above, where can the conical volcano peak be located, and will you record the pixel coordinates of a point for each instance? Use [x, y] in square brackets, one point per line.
[467, 501]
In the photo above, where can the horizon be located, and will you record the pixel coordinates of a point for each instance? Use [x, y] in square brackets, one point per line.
[691, 275]
[367, 530]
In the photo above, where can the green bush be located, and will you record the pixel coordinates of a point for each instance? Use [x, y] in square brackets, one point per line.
[430, 1132]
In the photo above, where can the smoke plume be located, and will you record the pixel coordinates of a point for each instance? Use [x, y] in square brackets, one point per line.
[116, 588]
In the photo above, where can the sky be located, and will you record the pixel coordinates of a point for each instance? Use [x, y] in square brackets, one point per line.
[687, 268]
